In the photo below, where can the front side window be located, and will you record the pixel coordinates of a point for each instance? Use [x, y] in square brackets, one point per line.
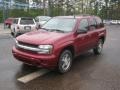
[83, 24]
[61, 24]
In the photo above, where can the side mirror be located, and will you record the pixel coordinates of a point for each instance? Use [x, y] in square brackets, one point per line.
[80, 31]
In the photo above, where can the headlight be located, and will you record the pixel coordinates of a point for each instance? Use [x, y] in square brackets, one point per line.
[45, 49]
[16, 42]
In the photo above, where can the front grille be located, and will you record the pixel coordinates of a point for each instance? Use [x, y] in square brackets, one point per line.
[28, 51]
[27, 44]
[25, 47]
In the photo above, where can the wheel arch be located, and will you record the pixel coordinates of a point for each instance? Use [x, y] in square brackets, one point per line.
[69, 47]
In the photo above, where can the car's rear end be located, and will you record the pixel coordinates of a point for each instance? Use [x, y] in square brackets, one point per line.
[26, 25]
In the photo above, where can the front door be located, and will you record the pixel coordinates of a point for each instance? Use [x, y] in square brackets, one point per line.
[82, 39]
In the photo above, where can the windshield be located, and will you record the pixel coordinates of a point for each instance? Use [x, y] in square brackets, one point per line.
[60, 24]
[26, 21]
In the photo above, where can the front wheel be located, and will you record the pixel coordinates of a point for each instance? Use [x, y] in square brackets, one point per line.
[98, 49]
[65, 61]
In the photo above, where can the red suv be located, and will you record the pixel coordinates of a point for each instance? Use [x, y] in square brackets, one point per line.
[59, 41]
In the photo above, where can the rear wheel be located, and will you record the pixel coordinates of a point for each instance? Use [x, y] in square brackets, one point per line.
[65, 61]
[98, 49]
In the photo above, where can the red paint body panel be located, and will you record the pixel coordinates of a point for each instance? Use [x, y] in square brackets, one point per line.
[35, 59]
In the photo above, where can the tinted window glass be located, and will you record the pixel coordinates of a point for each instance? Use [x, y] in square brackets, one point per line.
[26, 21]
[83, 24]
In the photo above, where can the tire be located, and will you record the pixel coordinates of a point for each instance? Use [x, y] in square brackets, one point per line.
[15, 34]
[98, 49]
[65, 61]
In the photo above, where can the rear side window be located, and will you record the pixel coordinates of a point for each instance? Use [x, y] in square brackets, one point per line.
[83, 24]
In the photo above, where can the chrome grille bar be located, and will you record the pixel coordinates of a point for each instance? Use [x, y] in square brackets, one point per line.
[28, 48]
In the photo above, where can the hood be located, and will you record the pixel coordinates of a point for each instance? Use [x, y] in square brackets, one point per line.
[40, 37]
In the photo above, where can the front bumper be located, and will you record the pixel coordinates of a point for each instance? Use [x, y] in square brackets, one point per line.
[44, 61]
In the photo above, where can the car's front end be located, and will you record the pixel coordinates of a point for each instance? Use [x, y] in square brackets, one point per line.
[43, 47]
[40, 55]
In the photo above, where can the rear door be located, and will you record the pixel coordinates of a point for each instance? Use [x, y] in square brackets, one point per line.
[92, 32]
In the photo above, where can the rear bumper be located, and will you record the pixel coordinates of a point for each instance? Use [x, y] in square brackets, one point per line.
[44, 61]
[24, 31]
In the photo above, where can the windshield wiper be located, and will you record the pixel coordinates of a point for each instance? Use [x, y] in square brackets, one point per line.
[58, 30]
[45, 29]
